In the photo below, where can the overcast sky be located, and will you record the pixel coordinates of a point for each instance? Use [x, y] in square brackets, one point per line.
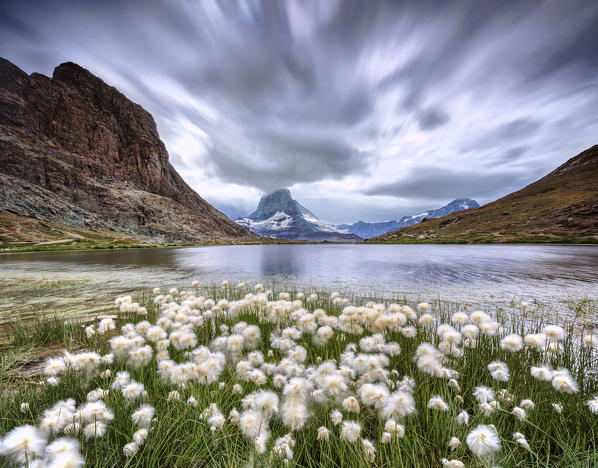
[366, 109]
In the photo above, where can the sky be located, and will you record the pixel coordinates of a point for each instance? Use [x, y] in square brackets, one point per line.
[366, 110]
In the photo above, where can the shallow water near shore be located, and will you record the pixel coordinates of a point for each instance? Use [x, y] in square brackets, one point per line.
[85, 282]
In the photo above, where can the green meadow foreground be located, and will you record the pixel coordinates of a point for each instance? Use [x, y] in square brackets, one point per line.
[238, 376]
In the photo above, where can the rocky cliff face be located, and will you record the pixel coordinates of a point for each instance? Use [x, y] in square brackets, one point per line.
[280, 216]
[76, 152]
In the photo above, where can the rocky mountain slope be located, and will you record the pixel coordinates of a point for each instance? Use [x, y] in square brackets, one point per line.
[560, 207]
[278, 215]
[76, 152]
[366, 230]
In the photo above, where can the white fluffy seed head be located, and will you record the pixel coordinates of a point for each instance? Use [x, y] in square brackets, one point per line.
[483, 441]
[350, 431]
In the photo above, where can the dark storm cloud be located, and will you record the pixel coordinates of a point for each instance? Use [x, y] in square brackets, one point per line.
[338, 94]
[432, 118]
[307, 161]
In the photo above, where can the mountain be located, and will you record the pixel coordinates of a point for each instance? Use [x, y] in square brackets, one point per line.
[76, 152]
[456, 205]
[560, 207]
[279, 215]
[366, 230]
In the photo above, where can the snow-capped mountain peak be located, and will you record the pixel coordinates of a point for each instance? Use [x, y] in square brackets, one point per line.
[279, 215]
[366, 230]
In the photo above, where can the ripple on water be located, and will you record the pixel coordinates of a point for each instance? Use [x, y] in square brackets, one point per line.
[85, 282]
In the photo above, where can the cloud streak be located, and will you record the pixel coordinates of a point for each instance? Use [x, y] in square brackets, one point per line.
[432, 183]
[338, 99]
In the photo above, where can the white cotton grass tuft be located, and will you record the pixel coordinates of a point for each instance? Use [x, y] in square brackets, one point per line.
[398, 405]
[336, 417]
[520, 439]
[454, 443]
[23, 443]
[427, 320]
[95, 430]
[133, 390]
[142, 417]
[351, 405]
[423, 307]
[554, 332]
[63, 453]
[294, 413]
[452, 463]
[130, 449]
[527, 404]
[95, 411]
[519, 413]
[478, 317]
[62, 445]
[323, 433]
[140, 436]
[591, 339]
[216, 421]
[593, 404]
[453, 384]
[543, 372]
[373, 394]
[483, 441]
[483, 394]
[460, 318]
[437, 403]
[250, 422]
[350, 431]
[512, 343]
[463, 418]
[55, 366]
[562, 381]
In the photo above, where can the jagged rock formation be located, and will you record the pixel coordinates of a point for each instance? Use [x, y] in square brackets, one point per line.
[75, 151]
[560, 207]
[367, 230]
[278, 215]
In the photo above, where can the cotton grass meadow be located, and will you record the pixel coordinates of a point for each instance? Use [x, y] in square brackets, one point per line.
[237, 375]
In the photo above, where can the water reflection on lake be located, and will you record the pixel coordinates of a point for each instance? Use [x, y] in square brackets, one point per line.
[87, 280]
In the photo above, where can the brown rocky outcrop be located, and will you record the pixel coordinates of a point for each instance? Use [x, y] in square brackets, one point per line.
[76, 152]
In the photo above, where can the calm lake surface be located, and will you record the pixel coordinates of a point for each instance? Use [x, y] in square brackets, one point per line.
[87, 281]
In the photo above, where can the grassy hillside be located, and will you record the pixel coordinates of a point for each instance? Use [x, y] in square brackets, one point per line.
[28, 234]
[560, 207]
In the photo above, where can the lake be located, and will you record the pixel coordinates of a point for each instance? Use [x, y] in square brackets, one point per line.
[83, 282]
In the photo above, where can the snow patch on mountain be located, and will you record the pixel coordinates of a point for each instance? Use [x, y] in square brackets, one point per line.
[366, 230]
[278, 215]
[278, 221]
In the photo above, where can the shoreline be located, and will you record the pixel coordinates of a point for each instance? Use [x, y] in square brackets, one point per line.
[89, 247]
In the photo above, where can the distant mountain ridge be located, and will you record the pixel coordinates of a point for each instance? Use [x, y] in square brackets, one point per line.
[367, 230]
[76, 152]
[280, 216]
[560, 207]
